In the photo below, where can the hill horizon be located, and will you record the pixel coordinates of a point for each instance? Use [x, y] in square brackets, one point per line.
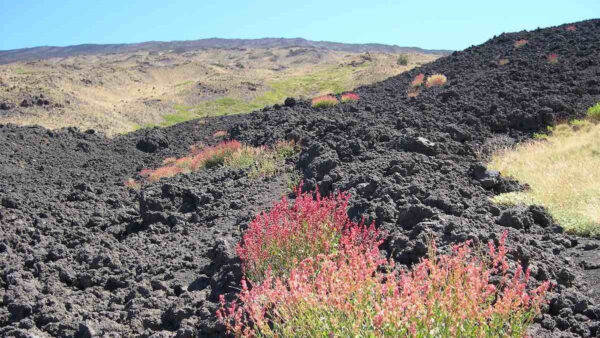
[49, 52]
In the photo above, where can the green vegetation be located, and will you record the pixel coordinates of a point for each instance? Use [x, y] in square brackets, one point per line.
[330, 80]
[594, 112]
[562, 171]
[403, 60]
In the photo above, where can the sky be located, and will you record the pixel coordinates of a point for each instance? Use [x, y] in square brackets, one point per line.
[433, 24]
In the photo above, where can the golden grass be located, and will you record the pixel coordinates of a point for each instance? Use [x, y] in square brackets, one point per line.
[562, 170]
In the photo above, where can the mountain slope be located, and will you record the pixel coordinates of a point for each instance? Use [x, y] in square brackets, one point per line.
[47, 52]
[82, 254]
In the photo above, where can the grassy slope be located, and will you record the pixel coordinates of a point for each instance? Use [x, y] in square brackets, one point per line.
[330, 80]
[562, 170]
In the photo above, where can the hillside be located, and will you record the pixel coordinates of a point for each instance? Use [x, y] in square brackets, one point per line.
[84, 254]
[140, 86]
[47, 52]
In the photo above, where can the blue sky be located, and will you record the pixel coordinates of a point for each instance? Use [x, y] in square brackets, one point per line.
[444, 24]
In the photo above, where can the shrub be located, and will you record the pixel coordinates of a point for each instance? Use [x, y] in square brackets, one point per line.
[435, 80]
[356, 293]
[262, 160]
[552, 58]
[220, 134]
[348, 97]
[521, 43]
[402, 60]
[207, 157]
[503, 62]
[324, 101]
[570, 28]
[277, 241]
[593, 112]
[418, 80]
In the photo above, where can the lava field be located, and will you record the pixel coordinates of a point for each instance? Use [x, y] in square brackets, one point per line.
[83, 255]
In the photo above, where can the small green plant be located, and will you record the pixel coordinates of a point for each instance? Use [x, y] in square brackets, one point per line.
[402, 60]
[593, 112]
[324, 101]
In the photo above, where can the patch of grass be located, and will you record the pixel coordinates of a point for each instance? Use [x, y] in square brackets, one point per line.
[330, 80]
[593, 112]
[261, 161]
[183, 84]
[562, 172]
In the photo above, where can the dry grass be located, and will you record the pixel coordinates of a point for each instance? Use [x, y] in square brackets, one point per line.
[562, 171]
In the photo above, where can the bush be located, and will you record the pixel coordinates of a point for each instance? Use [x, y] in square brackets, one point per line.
[277, 241]
[348, 97]
[593, 112]
[435, 80]
[402, 60]
[521, 43]
[418, 80]
[324, 101]
[354, 293]
[552, 59]
[262, 160]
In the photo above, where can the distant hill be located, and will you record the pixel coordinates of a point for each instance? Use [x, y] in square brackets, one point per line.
[47, 52]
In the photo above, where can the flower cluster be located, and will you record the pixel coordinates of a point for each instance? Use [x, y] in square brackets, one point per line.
[348, 97]
[570, 28]
[435, 80]
[310, 272]
[324, 101]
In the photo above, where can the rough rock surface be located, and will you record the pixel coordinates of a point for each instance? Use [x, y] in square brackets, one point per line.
[82, 255]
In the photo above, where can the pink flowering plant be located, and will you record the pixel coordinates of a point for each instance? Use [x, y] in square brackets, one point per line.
[349, 97]
[277, 241]
[418, 80]
[324, 101]
[352, 291]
